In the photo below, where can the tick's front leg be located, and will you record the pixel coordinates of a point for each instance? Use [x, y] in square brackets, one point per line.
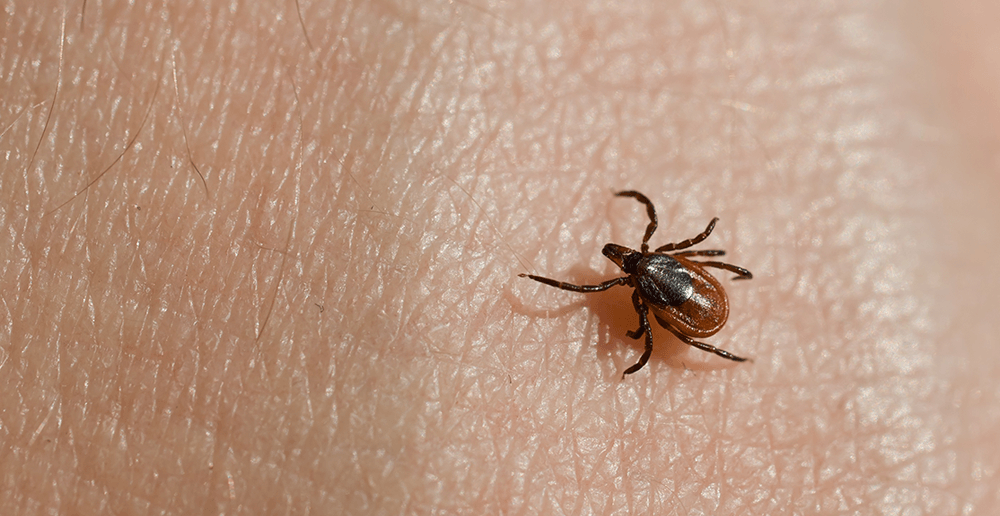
[577, 288]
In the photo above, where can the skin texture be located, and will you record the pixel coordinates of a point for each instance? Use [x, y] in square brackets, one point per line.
[253, 263]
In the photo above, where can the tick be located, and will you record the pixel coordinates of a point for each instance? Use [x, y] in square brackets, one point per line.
[683, 297]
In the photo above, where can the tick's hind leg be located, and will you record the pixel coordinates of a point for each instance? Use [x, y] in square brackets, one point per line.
[642, 310]
[743, 273]
[703, 346]
[650, 210]
[577, 288]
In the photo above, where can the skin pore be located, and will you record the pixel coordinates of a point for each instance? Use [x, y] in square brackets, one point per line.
[262, 257]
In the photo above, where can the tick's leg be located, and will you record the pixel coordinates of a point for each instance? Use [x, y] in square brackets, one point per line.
[639, 309]
[641, 330]
[577, 288]
[642, 310]
[691, 241]
[743, 273]
[650, 210]
[704, 347]
[704, 252]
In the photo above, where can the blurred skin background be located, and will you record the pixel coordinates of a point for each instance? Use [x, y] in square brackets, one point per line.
[264, 257]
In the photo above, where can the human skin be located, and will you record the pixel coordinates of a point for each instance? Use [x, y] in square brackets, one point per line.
[252, 264]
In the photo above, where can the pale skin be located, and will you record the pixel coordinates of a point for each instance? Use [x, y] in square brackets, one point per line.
[254, 263]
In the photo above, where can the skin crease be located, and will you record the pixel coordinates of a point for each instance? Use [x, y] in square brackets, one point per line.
[331, 321]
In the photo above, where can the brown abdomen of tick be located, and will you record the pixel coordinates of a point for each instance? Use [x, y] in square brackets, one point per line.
[704, 313]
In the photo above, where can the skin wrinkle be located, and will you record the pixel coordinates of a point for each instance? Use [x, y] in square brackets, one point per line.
[131, 372]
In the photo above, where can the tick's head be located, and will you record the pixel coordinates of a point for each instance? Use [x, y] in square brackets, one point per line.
[624, 258]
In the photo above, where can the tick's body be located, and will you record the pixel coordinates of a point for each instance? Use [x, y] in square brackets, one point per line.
[682, 295]
[693, 301]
